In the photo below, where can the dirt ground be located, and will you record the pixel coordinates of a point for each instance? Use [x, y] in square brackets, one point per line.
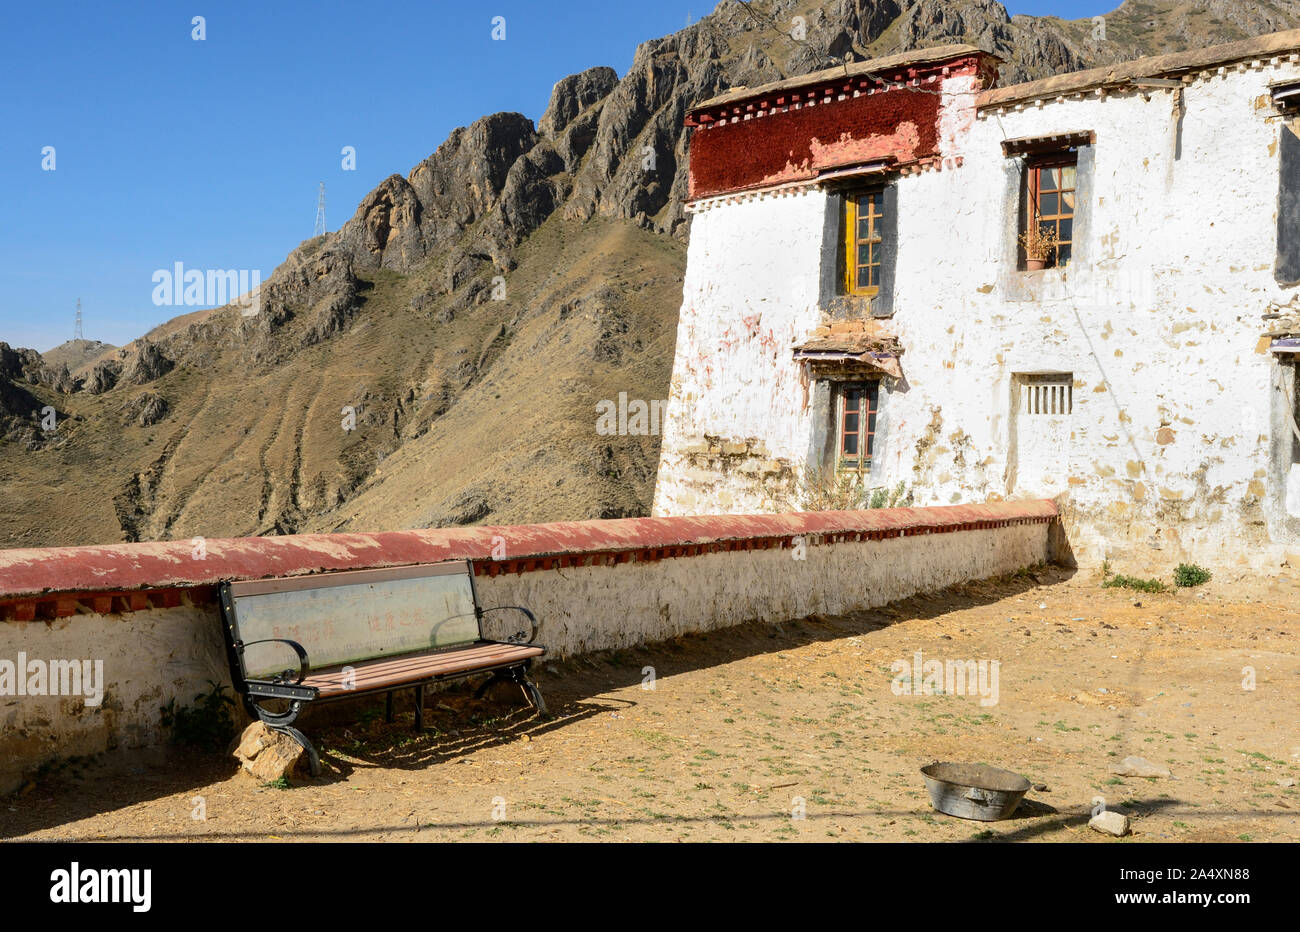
[745, 724]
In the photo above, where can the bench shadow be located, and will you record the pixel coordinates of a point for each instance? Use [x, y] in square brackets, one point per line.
[455, 726]
[573, 684]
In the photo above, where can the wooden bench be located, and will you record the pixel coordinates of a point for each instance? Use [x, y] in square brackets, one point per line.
[340, 635]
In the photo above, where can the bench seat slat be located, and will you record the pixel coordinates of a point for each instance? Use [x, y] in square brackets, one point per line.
[412, 668]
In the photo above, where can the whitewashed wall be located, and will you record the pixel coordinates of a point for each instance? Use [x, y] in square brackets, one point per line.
[147, 657]
[750, 292]
[1168, 440]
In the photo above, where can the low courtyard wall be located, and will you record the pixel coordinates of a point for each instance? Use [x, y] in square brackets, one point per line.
[94, 641]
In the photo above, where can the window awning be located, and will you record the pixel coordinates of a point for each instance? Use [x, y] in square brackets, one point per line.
[851, 172]
[851, 352]
[1032, 145]
[1286, 95]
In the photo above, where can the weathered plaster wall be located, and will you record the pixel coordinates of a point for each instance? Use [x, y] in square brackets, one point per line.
[1168, 446]
[148, 658]
[598, 608]
[750, 292]
[641, 580]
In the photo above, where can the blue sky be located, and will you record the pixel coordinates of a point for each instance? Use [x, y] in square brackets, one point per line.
[209, 153]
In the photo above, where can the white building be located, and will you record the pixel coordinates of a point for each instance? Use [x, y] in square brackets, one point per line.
[1141, 378]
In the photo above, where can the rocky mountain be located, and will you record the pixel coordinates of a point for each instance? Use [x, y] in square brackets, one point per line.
[439, 359]
[76, 353]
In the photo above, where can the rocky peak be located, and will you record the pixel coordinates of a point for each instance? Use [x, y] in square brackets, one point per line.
[574, 94]
[103, 376]
[385, 231]
[20, 364]
[26, 365]
[146, 364]
[462, 180]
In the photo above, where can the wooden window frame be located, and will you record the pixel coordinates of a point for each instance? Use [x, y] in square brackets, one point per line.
[875, 198]
[1034, 167]
[866, 429]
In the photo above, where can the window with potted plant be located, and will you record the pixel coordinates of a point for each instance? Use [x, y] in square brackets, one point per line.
[1040, 244]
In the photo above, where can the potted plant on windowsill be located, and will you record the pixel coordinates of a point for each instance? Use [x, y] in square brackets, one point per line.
[1040, 246]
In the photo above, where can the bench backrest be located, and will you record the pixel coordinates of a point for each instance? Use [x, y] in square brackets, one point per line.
[346, 617]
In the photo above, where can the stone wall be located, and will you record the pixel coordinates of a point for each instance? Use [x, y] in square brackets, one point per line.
[147, 613]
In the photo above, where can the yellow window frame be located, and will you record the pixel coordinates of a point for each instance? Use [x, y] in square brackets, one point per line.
[1039, 172]
[873, 200]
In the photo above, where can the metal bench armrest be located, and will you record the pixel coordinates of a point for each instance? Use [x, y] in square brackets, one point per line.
[516, 638]
[304, 666]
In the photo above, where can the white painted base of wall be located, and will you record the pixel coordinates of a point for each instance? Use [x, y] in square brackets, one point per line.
[601, 608]
[149, 657]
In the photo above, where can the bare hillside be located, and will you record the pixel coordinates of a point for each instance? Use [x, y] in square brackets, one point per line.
[439, 359]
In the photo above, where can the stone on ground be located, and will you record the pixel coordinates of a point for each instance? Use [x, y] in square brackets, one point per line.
[266, 754]
[1109, 823]
[1137, 767]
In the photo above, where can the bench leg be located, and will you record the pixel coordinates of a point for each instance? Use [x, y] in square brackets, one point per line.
[419, 707]
[388, 708]
[491, 681]
[535, 697]
[531, 692]
[281, 722]
[518, 676]
[313, 759]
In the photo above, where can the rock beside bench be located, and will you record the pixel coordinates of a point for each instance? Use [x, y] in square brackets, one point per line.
[267, 755]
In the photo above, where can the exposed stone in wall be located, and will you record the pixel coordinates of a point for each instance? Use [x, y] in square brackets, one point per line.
[709, 467]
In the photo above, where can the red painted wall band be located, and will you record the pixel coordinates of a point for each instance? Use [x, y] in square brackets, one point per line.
[134, 576]
[795, 134]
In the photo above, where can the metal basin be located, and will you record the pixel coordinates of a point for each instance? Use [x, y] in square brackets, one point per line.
[974, 791]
